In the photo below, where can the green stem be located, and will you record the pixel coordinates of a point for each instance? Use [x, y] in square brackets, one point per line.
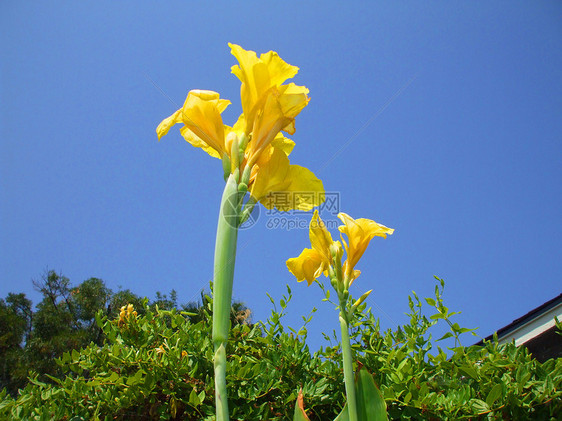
[225, 256]
[347, 365]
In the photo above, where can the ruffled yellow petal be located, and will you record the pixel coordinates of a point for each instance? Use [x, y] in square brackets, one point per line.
[167, 124]
[201, 113]
[267, 124]
[269, 174]
[268, 106]
[283, 143]
[320, 237]
[292, 99]
[279, 71]
[197, 142]
[278, 184]
[258, 75]
[306, 190]
[309, 265]
[201, 116]
[359, 233]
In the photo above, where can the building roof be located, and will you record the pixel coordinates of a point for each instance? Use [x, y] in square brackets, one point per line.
[536, 330]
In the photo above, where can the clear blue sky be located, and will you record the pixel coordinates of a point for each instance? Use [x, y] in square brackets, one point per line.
[451, 113]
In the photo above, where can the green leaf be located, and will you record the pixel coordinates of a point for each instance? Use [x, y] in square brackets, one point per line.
[343, 415]
[113, 377]
[445, 336]
[469, 371]
[300, 415]
[494, 394]
[430, 301]
[135, 379]
[201, 396]
[522, 375]
[479, 405]
[194, 398]
[370, 403]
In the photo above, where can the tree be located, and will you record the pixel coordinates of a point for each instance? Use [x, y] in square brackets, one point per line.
[15, 327]
[64, 319]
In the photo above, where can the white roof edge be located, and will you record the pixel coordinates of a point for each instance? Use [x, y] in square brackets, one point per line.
[534, 327]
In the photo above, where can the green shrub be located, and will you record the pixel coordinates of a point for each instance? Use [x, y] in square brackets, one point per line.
[158, 366]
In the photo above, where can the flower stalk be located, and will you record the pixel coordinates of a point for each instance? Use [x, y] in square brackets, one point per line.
[347, 358]
[225, 256]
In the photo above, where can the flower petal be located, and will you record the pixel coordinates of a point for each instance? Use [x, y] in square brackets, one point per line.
[309, 265]
[278, 184]
[197, 142]
[201, 113]
[359, 233]
[268, 105]
[320, 237]
[283, 143]
[167, 124]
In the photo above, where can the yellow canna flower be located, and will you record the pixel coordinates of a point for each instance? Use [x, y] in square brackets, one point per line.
[326, 254]
[203, 126]
[359, 233]
[268, 105]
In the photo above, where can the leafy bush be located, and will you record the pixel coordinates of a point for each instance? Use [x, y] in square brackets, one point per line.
[489, 382]
[158, 366]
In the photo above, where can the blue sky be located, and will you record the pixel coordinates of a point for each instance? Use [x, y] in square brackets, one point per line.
[439, 119]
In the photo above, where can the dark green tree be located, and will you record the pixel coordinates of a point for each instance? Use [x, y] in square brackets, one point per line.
[15, 328]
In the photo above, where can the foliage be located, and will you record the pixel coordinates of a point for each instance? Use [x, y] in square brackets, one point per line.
[419, 380]
[31, 340]
[158, 365]
[15, 327]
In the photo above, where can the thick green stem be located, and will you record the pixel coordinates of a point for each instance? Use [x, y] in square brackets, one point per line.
[225, 256]
[348, 365]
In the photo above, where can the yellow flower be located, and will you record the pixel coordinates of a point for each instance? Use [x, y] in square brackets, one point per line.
[268, 105]
[325, 254]
[359, 233]
[203, 126]
[313, 262]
